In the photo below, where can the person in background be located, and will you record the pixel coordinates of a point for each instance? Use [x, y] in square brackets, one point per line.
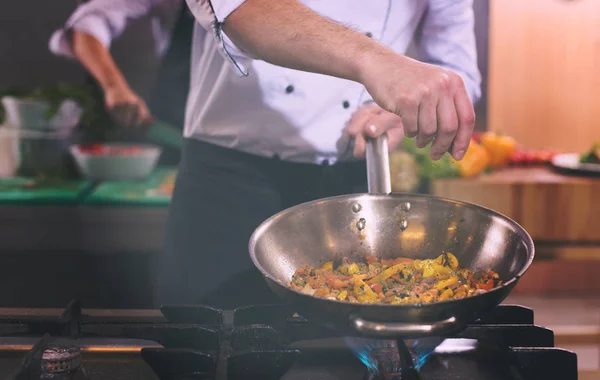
[283, 96]
[87, 36]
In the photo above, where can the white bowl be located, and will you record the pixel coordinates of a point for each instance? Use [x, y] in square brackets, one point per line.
[31, 114]
[99, 167]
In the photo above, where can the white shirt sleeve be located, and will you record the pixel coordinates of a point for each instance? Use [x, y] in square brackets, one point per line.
[103, 19]
[448, 40]
[211, 14]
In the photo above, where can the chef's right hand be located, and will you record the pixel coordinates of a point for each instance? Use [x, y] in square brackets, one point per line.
[431, 100]
[126, 107]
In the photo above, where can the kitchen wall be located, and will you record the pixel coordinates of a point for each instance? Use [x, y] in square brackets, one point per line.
[26, 26]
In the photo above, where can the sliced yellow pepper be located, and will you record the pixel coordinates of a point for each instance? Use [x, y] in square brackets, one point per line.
[343, 294]
[417, 263]
[429, 268]
[429, 295]
[442, 273]
[386, 274]
[328, 265]
[446, 283]
[452, 260]
[353, 268]
[441, 259]
[446, 294]
[363, 291]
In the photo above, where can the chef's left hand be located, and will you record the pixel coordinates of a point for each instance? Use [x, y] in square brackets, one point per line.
[371, 121]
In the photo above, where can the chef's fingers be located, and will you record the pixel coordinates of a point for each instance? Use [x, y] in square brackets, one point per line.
[409, 115]
[427, 122]
[131, 115]
[385, 122]
[381, 123]
[466, 124]
[359, 145]
[395, 136]
[118, 113]
[357, 122]
[447, 125]
[143, 115]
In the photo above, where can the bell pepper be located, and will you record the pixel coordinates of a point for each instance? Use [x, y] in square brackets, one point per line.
[499, 147]
[475, 160]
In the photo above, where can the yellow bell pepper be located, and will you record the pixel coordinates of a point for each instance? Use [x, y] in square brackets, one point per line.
[446, 283]
[363, 292]
[499, 147]
[386, 274]
[475, 161]
[446, 294]
[452, 260]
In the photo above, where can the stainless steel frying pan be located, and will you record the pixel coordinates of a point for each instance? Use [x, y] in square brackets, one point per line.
[390, 225]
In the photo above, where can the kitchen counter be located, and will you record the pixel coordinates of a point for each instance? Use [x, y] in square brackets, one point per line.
[548, 205]
[561, 213]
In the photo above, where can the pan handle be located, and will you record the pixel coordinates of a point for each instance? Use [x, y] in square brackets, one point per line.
[406, 330]
[378, 165]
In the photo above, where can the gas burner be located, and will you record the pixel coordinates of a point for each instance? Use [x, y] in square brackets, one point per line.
[59, 359]
[270, 342]
[388, 364]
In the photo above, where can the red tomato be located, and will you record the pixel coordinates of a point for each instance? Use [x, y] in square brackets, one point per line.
[99, 149]
[516, 158]
[92, 149]
[377, 288]
[529, 158]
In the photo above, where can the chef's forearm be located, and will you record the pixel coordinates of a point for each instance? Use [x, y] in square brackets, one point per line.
[287, 33]
[97, 60]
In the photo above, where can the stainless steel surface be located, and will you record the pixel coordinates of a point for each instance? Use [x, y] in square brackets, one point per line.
[395, 225]
[378, 166]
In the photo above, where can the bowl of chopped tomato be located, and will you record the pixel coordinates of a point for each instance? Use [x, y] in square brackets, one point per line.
[116, 162]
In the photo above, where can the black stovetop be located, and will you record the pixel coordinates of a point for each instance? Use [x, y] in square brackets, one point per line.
[269, 342]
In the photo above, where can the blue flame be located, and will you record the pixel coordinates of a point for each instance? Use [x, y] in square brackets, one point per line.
[420, 351]
[362, 348]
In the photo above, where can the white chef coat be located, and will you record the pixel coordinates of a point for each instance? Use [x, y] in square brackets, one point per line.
[267, 110]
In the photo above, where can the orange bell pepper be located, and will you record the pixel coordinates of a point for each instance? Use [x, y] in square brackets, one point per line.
[499, 147]
[475, 161]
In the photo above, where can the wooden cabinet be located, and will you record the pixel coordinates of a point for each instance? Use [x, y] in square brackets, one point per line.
[544, 73]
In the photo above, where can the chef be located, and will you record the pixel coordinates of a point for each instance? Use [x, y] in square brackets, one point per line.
[87, 36]
[283, 95]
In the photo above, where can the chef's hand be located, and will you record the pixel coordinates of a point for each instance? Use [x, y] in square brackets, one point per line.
[372, 121]
[431, 101]
[126, 107]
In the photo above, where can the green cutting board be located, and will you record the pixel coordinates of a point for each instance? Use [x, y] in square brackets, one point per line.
[134, 193]
[21, 190]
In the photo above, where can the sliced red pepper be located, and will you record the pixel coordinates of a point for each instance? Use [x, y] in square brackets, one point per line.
[488, 285]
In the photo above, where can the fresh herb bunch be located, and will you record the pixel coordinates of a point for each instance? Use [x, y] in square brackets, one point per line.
[55, 95]
[95, 121]
[429, 169]
[592, 156]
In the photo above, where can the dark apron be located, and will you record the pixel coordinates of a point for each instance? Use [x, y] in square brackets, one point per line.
[168, 100]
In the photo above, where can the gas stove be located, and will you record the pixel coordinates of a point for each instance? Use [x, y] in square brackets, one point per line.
[267, 342]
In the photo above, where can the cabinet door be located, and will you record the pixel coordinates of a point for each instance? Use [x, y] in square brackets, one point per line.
[544, 74]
